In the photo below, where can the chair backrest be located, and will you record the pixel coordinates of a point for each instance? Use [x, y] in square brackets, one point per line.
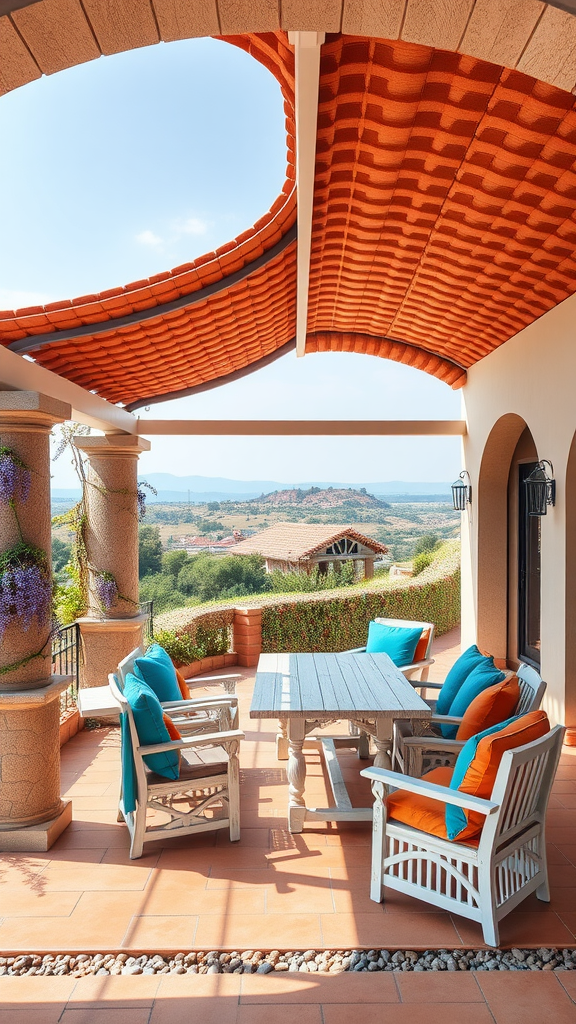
[426, 627]
[116, 688]
[127, 663]
[522, 787]
[532, 689]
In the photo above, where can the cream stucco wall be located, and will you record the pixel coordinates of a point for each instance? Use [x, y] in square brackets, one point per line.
[529, 380]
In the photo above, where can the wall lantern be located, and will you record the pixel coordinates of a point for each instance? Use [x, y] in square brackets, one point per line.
[462, 492]
[540, 489]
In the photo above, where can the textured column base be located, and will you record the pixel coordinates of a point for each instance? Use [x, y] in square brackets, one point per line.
[570, 737]
[36, 838]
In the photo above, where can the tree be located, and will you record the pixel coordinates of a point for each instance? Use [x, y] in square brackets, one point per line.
[173, 561]
[427, 542]
[213, 577]
[61, 552]
[149, 551]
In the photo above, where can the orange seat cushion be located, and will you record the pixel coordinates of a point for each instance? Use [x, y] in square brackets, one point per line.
[183, 686]
[422, 645]
[424, 813]
[172, 730]
[493, 705]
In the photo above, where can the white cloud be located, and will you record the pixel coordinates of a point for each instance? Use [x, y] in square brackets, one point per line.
[149, 238]
[191, 226]
[14, 298]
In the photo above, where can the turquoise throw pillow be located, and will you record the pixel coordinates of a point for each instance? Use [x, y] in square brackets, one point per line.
[460, 671]
[456, 819]
[150, 726]
[157, 670]
[480, 679]
[398, 642]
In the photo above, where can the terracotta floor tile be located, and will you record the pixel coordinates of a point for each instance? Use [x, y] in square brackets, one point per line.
[99, 921]
[409, 1013]
[249, 837]
[307, 1014]
[194, 1010]
[299, 899]
[273, 931]
[521, 928]
[568, 981]
[36, 993]
[106, 1015]
[434, 987]
[178, 900]
[123, 990]
[338, 988]
[66, 877]
[526, 998]
[28, 1015]
[232, 879]
[384, 930]
[160, 932]
[33, 904]
[569, 919]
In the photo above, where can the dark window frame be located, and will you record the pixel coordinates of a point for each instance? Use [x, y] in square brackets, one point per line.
[529, 571]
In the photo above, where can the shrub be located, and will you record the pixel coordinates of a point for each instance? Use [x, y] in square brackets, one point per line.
[421, 562]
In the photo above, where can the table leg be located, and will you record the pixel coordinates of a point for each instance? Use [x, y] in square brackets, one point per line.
[383, 743]
[296, 771]
[282, 740]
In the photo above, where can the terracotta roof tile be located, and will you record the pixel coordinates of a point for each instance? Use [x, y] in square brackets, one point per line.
[444, 222]
[293, 542]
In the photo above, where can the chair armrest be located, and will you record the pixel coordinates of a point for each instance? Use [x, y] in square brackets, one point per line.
[355, 650]
[423, 788]
[207, 739]
[426, 684]
[433, 743]
[416, 665]
[447, 719]
[197, 703]
[213, 679]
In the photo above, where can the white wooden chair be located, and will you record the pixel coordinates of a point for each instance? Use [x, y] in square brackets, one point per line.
[414, 755]
[482, 883]
[205, 797]
[423, 665]
[183, 711]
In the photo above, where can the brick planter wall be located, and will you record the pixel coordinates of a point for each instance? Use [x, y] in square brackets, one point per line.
[70, 724]
[199, 668]
[247, 635]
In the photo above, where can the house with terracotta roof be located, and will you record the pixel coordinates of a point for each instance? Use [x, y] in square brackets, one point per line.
[301, 547]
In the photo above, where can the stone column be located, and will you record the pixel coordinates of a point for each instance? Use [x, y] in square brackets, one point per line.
[32, 815]
[110, 632]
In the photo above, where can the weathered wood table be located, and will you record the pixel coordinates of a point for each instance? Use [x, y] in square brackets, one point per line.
[305, 691]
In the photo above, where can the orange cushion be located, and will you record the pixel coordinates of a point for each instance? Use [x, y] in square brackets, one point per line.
[493, 705]
[183, 686]
[424, 813]
[422, 645]
[172, 730]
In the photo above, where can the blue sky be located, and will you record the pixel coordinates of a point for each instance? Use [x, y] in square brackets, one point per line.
[136, 163]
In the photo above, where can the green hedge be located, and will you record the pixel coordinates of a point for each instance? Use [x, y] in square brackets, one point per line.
[337, 623]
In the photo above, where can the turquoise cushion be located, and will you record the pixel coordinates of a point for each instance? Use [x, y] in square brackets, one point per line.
[460, 671]
[150, 726]
[398, 642]
[480, 679]
[456, 819]
[157, 670]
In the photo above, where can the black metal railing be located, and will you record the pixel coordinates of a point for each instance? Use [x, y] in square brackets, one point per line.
[147, 609]
[66, 661]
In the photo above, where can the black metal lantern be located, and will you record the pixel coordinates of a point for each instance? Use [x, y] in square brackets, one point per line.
[540, 489]
[461, 492]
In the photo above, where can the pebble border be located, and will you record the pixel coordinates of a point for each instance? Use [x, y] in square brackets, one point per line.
[328, 961]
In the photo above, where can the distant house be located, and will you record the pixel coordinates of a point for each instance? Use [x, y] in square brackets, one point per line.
[300, 547]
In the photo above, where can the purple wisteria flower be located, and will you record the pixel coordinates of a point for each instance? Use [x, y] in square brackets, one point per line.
[25, 594]
[14, 477]
[106, 589]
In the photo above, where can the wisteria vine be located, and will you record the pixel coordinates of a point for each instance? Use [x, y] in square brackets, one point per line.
[25, 578]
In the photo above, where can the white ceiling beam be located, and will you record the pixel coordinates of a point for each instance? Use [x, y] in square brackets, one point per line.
[307, 70]
[20, 374]
[302, 428]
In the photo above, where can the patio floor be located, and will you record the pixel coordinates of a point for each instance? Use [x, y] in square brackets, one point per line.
[270, 890]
